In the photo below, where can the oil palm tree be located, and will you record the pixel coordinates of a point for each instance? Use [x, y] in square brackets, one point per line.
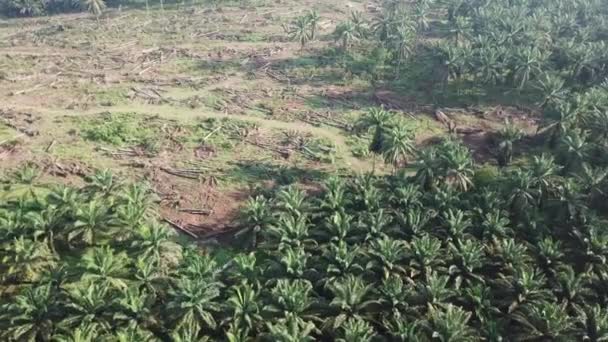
[346, 34]
[244, 307]
[456, 165]
[290, 330]
[425, 254]
[24, 260]
[528, 64]
[188, 332]
[256, 216]
[194, 301]
[134, 307]
[30, 316]
[489, 65]
[508, 135]
[95, 7]
[435, 290]
[47, 223]
[450, 324]
[340, 260]
[495, 224]
[553, 90]
[352, 299]
[89, 303]
[356, 330]
[289, 230]
[155, 241]
[428, 168]
[360, 24]
[576, 147]
[593, 323]
[93, 220]
[387, 256]
[83, 333]
[560, 121]
[313, 21]
[468, 261]
[546, 321]
[132, 333]
[148, 276]
[398, 146]
[378, 120]
[592, 179]
[105, 266]
[292, 298]
[299, 30]
[402, 329]
[292, 201]
[289, 262]
[103, 181]
[334, 198]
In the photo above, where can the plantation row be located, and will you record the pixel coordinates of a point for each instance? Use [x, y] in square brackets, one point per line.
[548, 48]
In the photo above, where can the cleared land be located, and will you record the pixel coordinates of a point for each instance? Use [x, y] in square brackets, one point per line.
[204, 103]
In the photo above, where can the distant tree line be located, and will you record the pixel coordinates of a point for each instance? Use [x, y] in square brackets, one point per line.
[32, 8]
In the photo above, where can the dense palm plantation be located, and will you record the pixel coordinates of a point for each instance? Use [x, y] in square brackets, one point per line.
[446, 251]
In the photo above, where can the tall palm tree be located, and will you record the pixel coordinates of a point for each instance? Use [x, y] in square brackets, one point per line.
[346, 33]
[508, 135]
[428, 168]
[456, 164]
[398, 145]
[256, 216]
[299, 30]
[313, 22]
[95, 7]
[378, 120]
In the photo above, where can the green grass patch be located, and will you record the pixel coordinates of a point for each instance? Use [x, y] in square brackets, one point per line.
[5, 132]
[119, 129]
[111, 97]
